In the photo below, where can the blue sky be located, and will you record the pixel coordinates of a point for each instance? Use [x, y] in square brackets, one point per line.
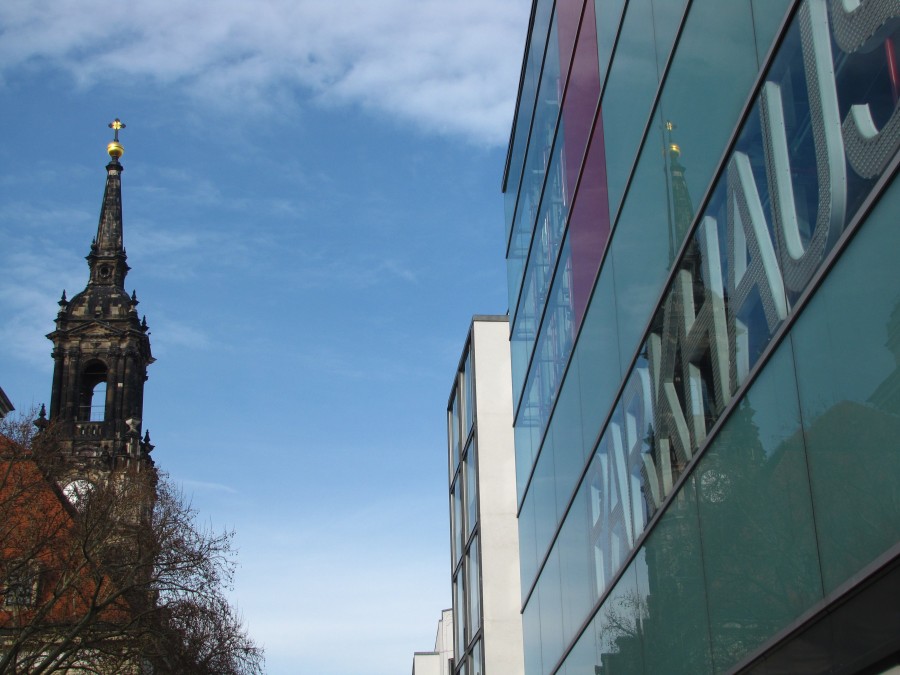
[312, 214]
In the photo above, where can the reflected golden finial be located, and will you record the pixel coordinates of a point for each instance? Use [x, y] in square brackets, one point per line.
[115, 148]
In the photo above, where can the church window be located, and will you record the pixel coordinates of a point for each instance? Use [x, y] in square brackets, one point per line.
[20, 588]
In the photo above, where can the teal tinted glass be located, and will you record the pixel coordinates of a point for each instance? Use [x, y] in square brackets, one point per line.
[596, 359]
[528, 562]
[756, 519]
[724, 67]
[641, 251]
[628, 99]
[608, 15]
[566, 429]
[767, 18]
[847, 349]
[531, 636]
[576, 566]
[536, 45]
[584, 657]
[672, 592]
[548, 589]
[619, 626]
[543, 492]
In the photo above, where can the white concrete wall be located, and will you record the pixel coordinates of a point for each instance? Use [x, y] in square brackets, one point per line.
[426, 663]
[501, 592]
[438, 661]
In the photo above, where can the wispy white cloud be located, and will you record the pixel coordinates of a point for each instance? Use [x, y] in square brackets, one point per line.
[30, 287]
[446, 67]
[191, 486]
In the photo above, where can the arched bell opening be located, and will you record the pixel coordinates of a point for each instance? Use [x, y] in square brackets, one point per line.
[92, 395]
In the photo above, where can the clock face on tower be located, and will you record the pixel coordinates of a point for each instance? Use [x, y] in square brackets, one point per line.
[77, 490]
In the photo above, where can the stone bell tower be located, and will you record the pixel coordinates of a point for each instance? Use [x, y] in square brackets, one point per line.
[101, 350]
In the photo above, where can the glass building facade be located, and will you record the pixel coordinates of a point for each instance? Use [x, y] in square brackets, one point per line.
[702, 231]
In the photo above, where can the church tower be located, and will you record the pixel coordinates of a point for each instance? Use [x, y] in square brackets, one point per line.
[101, 350]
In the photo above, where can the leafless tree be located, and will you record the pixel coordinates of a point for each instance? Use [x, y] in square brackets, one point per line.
[120, 580]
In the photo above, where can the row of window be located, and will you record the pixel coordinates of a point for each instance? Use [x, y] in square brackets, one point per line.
[465, 562]
[460, 416]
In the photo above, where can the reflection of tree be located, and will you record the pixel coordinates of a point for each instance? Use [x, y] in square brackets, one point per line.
[750, 586]
[620, 632]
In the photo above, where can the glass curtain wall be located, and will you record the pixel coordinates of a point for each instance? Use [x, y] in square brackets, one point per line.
[647, 434]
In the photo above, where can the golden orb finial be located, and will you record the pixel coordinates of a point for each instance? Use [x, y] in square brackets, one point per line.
[114, 148]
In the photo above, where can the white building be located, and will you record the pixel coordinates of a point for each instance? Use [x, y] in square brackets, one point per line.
[439, 661]
[484, 534]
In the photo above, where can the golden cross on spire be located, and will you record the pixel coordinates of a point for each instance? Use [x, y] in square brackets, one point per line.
[114, 148]
[115, 125]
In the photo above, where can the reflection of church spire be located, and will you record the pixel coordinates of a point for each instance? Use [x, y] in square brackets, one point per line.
[682, 210]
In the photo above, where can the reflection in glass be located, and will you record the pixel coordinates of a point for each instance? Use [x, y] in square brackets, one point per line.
[473, 585]
[537, 159]
[476, 663]
[531, 635]
[847, 348]
[754, 499]
[672, 593]
[471, 475]
[576, 566]
[453, 434]
[458, 522]
[541, 264]
[460, 629]
[619, 626]
[533, 60]
[468, 397]
[548, 589]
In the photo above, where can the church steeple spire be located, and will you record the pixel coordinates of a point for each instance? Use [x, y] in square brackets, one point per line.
[107, 258]
[101, 349]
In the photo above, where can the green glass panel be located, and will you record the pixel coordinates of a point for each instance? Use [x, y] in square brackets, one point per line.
[596, 359]
[767, 17]
[551, 612]
[527, 545]
[543, 491]
[567, 440]
[619, 626]
[584, 657]
[628, 99]
[671, 584]
[531, 635]
[759, 547]
[641, 250]
[847, 349]
[726, 66]
[576, 564]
